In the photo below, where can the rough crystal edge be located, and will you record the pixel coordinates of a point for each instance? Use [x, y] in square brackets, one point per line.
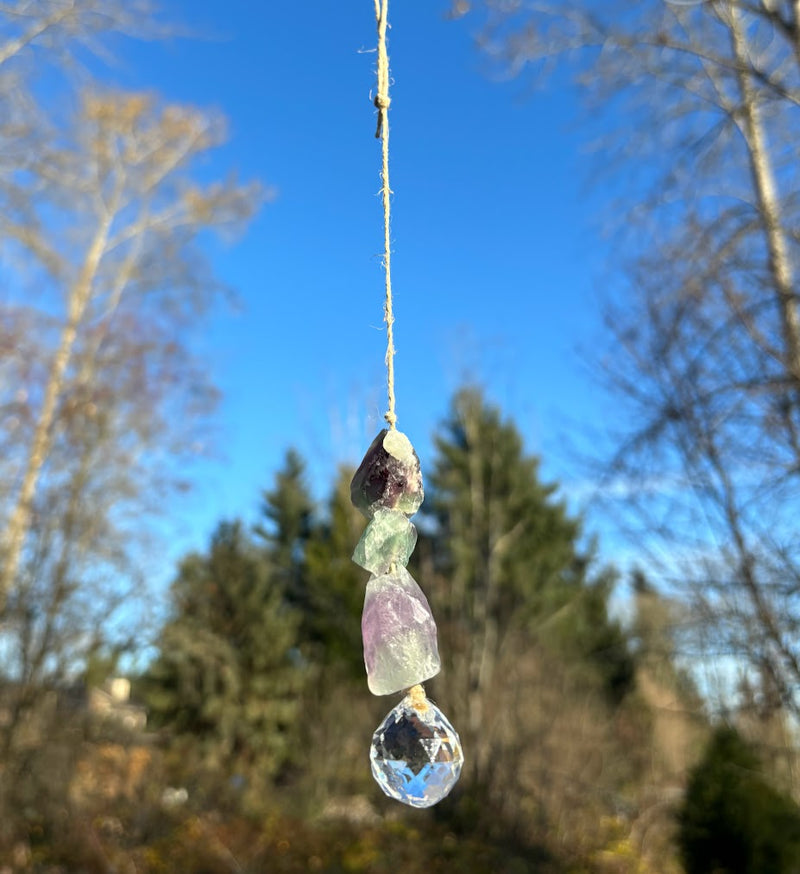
[397, 444]
[401, 449]
[379, 690]
[394, 557]
[424, 631]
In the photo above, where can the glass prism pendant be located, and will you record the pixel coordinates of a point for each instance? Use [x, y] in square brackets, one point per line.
[416, 754]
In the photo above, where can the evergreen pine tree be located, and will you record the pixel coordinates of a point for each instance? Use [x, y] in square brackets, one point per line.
[287, 509]
[531, 657]
[732, 821]
[312, 558]
[521, 618]
[225, 677]
[335, 584]
[511, 550]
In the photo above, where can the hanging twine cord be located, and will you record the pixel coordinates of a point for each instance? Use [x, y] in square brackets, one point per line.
[382, 103]
[418, 698]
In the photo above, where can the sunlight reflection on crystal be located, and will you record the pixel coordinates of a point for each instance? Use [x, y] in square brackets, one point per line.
[416, 754]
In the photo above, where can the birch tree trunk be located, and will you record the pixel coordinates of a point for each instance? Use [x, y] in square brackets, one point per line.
[117, 364]
[765, 186]
[20, 517]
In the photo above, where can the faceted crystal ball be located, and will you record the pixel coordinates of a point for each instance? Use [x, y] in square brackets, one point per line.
[389, 476]
[399, 634]
[388, 539]
[416, 755]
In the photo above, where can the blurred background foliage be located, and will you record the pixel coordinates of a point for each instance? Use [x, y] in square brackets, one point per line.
[239, 742]
[580, 732]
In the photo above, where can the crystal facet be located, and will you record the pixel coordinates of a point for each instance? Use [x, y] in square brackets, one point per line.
[389, 476]
[399, 633]
[388, 539]
[416, 755]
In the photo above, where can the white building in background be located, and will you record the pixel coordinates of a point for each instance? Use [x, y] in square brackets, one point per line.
[112, 702]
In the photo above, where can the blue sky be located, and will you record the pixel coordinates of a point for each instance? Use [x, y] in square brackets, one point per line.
[495, 256]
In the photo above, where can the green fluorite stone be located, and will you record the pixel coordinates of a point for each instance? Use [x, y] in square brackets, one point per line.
[388, 539]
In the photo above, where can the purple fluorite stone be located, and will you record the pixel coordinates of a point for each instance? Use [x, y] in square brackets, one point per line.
[389, 477]
[399, 633]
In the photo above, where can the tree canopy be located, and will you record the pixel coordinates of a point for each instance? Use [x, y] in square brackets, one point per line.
[227, 676]
[732, 820]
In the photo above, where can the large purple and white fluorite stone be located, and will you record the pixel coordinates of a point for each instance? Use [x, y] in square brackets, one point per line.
[389, 477]
[399, 634]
